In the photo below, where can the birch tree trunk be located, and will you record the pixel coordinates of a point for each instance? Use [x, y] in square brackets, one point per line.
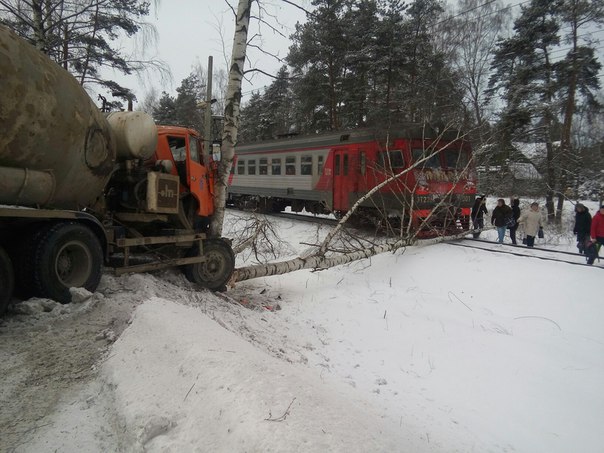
[311, 262]
[39, 27]
[324, 262]
[231, 114]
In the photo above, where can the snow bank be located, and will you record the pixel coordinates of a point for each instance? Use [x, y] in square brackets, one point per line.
[473, 351]
[181, 382]
[437, 348]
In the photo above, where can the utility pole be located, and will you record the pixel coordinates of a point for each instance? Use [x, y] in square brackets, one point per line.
[207, 133]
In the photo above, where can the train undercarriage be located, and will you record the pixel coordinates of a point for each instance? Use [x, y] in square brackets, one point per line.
[444, 220]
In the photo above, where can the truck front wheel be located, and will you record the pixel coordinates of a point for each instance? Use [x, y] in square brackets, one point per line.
[66, 255]
[7, 280]
[216, 270]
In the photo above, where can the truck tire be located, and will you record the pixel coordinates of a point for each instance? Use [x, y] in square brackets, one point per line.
[7, 280]
[22, 250]
[65, 255]
[216, 271]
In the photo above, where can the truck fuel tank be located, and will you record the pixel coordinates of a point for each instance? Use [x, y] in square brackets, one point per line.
[135, 134]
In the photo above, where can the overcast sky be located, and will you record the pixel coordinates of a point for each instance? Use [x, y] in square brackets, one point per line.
[191, 30]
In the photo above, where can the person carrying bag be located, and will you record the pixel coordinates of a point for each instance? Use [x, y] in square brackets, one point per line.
[532, 224]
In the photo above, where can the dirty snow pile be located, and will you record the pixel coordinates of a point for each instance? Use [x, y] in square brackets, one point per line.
[430, 349]
[238, 398]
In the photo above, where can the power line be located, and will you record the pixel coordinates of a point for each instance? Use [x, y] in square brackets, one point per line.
[462, 13]
[466, 11]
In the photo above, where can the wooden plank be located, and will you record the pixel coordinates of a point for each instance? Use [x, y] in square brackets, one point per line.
[139, 217]
[152, 240]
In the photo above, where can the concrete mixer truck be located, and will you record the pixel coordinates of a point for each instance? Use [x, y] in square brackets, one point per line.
[80, 190]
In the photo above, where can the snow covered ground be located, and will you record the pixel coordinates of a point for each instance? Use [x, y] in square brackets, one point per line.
[430, 349]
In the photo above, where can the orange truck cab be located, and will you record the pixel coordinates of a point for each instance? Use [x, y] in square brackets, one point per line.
[182, 149]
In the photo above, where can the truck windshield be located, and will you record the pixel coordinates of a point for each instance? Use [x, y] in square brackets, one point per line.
[194, 147]
[178, 148]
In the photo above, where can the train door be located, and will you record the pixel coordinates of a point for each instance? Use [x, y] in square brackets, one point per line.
[199, 183]
[343, 179]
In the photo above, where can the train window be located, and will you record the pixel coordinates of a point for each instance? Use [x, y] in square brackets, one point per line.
[336, 167]
[433, 160]
[345, 165]
[319, 165]
[178, 147]
[276, 166]
[263, 166]
[290, 165]
[456, 159]
[363, 162]
[391, 160]
[241, 167]
[306, 165]
[251, 167]
[194, 150]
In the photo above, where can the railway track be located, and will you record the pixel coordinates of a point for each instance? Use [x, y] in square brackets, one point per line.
[386, 231]
[361, 224]
[541, 253]
[292, 216]
[304, 218]
[559, 256]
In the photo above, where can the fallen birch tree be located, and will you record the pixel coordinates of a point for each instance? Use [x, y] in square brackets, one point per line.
[320, 262]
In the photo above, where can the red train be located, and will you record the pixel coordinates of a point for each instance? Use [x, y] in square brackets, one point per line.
[328, 173]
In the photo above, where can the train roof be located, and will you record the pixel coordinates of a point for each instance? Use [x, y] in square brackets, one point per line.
[414, 131]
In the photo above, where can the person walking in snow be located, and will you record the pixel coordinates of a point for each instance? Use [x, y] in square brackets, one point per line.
[582, 226]
[500, 218]
[597, 230]
[515, 202]
[478, 211]
[532, 222]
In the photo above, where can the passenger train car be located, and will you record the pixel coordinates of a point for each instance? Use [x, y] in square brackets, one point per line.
[328, 173]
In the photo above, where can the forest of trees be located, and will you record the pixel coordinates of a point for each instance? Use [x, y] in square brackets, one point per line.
[359, 63]
[84, 37]
[374, 63]
[525, 72]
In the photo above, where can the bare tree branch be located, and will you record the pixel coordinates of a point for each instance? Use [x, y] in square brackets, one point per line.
[295, 5]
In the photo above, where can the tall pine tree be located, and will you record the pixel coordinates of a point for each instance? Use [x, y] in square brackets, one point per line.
[577, 78]
[318, 58]
[524, 73]
[81, 36]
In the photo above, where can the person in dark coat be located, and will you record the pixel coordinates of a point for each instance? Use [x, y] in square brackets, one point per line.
[478, 211]
[501, 214]
[582, 226]
[516, 215]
